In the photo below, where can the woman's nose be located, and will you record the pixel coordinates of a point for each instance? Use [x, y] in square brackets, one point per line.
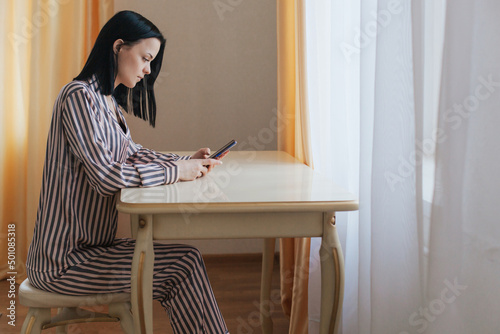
[147, 69]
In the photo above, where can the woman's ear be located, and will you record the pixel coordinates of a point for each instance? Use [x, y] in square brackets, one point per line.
[117, 45]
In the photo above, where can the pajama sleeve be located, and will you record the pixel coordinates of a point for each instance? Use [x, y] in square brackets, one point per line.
[140, 155]
[86, 134]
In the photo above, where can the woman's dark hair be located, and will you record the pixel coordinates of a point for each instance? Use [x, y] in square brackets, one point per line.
[131, 27]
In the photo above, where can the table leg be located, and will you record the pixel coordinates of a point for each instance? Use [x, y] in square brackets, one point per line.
[265, 285]
[332, 277]
[142, 276]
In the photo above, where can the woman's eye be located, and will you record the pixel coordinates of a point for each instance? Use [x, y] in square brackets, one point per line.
[145, 59]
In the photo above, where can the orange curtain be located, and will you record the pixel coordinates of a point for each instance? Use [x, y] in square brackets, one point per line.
[293, 138]
[44, 45]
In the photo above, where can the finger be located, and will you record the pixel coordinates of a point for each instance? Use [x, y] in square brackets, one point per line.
[211, 162]
[201, 171]
[222, 155]
[205, 153]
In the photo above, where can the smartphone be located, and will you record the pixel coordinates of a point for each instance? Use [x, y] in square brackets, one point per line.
[223, 149]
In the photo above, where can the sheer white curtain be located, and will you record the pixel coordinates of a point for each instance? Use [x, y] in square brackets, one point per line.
[334, 79]
[464, 255]
[364, 129]
[370, 72]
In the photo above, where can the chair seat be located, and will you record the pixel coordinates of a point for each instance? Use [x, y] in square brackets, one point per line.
[32, 297]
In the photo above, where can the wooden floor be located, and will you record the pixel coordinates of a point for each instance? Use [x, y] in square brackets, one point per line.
[236, 283]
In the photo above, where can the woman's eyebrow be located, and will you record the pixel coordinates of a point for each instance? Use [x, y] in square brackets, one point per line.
[150, 55]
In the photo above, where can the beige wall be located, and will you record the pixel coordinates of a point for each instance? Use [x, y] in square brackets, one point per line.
[218, 82]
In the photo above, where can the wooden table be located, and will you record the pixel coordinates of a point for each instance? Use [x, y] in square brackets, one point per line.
[252, 195]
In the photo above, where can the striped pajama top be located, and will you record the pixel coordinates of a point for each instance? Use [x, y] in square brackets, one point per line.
[89, 158]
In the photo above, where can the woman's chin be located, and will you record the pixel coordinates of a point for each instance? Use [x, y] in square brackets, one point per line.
[130, 84]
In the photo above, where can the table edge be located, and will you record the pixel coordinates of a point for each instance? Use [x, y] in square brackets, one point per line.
[171, 208]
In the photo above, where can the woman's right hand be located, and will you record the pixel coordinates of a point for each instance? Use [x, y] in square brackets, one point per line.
[194, 168]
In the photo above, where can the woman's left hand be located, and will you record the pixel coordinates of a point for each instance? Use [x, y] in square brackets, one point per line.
[203, 153]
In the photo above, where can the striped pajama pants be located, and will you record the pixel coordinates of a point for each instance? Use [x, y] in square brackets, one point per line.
[180, 283]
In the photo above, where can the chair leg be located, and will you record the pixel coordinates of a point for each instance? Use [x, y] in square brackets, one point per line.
[122, 311]
[61, 329]
[35, 319]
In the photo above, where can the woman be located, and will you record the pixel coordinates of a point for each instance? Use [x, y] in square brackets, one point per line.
[90, 157]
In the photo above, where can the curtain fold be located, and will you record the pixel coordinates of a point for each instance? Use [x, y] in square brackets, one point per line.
[464, 251]
[46, 46]
[293, 138]
[395, 269]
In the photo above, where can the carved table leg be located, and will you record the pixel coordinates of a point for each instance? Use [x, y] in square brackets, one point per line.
[332, 277]
[142, 277]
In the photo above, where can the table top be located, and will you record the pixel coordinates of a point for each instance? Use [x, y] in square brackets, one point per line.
[247, 181]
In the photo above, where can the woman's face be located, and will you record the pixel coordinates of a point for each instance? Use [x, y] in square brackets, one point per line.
[134, 61]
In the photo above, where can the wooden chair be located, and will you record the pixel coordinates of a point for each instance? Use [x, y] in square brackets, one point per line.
[41, 302]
